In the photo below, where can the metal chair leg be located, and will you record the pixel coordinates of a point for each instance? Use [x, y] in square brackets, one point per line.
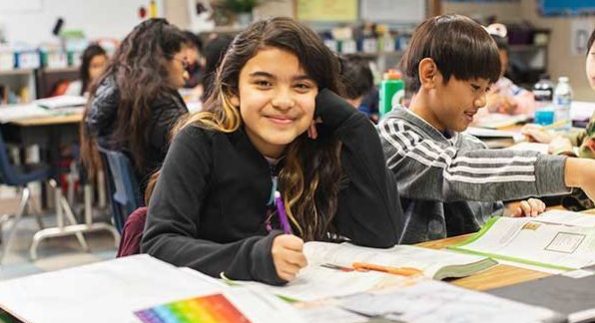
[35, 209]
[25, 194]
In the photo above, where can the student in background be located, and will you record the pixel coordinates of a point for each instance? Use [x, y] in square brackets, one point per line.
[576, 144]
[357, 78]
[136, 101]
[505, 96]
[93, 62]
[273, 123]
[195, 60]
[449, 182]
[214, 51]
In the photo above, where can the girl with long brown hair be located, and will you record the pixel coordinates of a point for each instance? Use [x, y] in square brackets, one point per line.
[273, 123]
[135, 103]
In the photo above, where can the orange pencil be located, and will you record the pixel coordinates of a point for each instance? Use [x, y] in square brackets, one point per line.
[403, 271]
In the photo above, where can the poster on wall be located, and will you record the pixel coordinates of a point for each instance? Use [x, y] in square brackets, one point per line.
[580, 30]
[566, 7]
[327, 10]
[400, 11]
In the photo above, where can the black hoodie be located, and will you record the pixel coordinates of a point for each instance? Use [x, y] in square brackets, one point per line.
[209, 207]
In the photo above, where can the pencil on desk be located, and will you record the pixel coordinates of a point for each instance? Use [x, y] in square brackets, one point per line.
[555, 124]
[403, 271]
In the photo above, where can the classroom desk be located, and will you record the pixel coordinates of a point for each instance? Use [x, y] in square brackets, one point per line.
[49, 132]
[497, 276]
[74, 118]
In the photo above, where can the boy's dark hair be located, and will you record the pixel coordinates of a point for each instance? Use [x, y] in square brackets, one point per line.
[356, 76]
[459, 46]
[501, 42]
[590, 41]
[193, 40]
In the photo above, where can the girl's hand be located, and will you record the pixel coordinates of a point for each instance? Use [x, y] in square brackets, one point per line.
[531, 207]
[288, 256]
[536, 133]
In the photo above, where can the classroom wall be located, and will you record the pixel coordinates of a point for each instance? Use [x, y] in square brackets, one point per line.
[177, 12]
[561, 61]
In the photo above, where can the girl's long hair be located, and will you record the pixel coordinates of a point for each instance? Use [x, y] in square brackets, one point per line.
[139, 69]
[311, 174]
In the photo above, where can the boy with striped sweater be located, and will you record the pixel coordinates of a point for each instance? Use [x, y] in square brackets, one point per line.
[448, 181]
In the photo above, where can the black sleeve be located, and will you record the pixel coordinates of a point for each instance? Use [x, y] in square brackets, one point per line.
[369, 210]
[167, 112]
[171, 230]
[102, 112]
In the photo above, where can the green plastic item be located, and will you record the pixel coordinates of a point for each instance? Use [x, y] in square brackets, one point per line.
[392, 91]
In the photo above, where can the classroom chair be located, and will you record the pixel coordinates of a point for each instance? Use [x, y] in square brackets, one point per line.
[122, 186]
[132, 233]
[19, 176]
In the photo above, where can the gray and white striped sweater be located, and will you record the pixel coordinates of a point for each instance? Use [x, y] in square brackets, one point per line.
[450, 184]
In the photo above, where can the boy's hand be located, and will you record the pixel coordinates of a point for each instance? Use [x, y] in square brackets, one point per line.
[580, 172]
[536, 133]
[531, 207]
[288, 256]
[560, 145]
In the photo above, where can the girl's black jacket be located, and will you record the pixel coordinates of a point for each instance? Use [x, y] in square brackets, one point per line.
[209, 207]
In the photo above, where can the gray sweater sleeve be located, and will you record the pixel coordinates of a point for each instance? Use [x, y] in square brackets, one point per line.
[171, 229]
[426, 169]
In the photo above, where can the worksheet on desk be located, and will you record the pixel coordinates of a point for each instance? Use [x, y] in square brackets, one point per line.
[559, 240]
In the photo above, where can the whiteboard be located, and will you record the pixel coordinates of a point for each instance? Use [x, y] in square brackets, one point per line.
[399, 11]
[33, 21]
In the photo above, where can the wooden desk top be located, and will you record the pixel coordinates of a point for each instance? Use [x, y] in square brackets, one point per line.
[497, 276]
[51, 120]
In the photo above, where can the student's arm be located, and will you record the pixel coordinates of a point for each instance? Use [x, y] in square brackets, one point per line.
[580, 173]
[172, 229]
[429, 170]
[103, 110]
[587, 144]
[168, 111]
[369, 207]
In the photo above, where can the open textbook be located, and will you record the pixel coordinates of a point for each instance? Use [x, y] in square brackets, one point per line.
[317, 280]
[556, 239]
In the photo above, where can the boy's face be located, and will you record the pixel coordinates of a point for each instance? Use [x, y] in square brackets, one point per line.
[590, 66]
[276, 100]
[454, 104]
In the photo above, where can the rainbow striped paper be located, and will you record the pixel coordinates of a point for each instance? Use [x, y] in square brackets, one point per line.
[214, 308]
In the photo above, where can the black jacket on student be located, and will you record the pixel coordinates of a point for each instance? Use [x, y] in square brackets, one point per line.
[209, 207]
[165, 111]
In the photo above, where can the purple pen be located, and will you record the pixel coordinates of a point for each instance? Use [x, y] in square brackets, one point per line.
[282, 215]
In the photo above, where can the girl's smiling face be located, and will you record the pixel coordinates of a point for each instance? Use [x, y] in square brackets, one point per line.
[276, 100]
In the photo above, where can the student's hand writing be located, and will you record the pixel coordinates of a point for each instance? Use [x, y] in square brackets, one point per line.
[536, 133]
[560, 145]
[288, 256]
[531, 207]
